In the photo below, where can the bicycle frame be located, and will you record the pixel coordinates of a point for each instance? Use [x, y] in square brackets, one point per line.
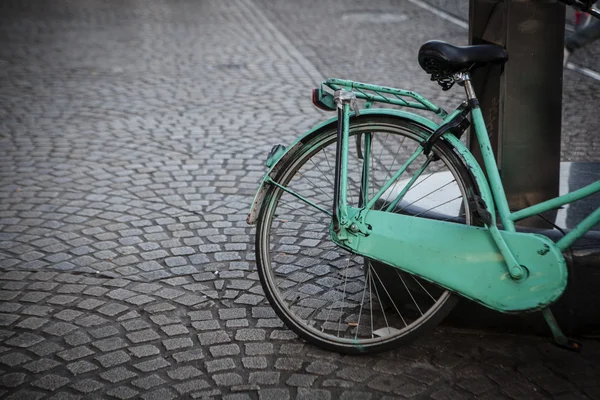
[340, 215]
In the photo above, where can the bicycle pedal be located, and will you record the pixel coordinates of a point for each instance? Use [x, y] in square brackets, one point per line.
[571, 345]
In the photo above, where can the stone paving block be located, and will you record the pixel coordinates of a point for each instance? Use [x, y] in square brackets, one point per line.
[113, 359]
[46, 347]
[189, 355]
[25, 395]
[123, 393]
[254, 362]
[152, 365]
[264, 377]
[77, 338]
[41, 365]
[50, 382]
[178, 343]
[110, 344]
[184, 373]
[87, 386]
[227, 379]
[59, 328]
[81, 367]
[143, 336]
[24, 340]
[144, 350]
[148, 382]
[13, 359]
[7, 319]
[274, 394]
[34, 297]
[219, 365]
[12, 380]
[245, 335]
[160, 394]
[209, 338]
[206, 325]
[118, 374]
[189, 386]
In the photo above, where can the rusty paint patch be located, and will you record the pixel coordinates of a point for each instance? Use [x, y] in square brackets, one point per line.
[544, 251]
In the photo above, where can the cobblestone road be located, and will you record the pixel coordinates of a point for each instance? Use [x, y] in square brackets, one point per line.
[132, 136]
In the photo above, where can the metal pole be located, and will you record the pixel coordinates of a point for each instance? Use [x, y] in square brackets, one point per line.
[522, 102]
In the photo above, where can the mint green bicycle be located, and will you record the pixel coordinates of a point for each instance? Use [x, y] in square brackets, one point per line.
[371, 223]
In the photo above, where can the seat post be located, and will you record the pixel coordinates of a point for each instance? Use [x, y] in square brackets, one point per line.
[464, 79]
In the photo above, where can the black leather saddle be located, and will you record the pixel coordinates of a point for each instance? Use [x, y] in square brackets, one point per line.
[442, 60]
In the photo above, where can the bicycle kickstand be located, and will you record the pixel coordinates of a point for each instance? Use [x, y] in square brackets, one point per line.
[560, 339]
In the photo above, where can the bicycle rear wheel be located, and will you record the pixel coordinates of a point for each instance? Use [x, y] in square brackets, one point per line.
[333, 298]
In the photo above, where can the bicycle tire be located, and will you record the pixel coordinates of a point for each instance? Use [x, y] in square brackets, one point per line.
[288, 260]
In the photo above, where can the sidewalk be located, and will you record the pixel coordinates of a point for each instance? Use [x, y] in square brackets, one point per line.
[132, 138]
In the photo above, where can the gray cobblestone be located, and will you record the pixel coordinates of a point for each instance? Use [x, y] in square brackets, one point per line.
[29, 323]
[117, 375]
[110, 344]
[228, 379]
[160, 394]
[34, 297]
[189, 355]
[44, 348]
[259, 349]
[148, 382]
[123, 393]
[254, 362]
[59, 328]
[264, 377]
[87, 386]
[250, 334]
[152, 365]
[219, 365]
[12, 380]
[113, 359]
[178, 343]
[232, 313]
[41, 365]
[184, 373]
[24, 340]
[50, 382]
[75, 353]
[288, 364]
[206, 325]
[209, 338]
[191, 386]
[81, 367]
[14, 359]
[143, 336]
[77, 338]
[316, 394]
[144, 350]
[274, 394]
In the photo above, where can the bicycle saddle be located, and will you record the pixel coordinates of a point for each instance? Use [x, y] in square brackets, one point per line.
[444, 59]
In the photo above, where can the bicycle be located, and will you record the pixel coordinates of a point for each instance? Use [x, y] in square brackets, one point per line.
[365, 259]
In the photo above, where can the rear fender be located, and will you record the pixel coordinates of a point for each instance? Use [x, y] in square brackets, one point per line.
[280, 159]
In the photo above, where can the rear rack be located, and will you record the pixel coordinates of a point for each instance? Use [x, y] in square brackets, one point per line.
[378, 94]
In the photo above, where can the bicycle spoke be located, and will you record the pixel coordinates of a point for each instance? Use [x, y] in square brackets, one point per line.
[419, 283]
[390, 297]
[422, 197]
[410, 294]
[439, 205]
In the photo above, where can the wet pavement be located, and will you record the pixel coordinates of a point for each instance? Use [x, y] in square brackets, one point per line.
[132, 138]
